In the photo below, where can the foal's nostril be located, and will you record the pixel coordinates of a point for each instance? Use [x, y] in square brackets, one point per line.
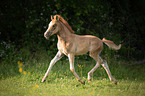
[44, 34]
[47, 34]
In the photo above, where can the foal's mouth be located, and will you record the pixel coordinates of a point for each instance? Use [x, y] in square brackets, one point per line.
[47, 35]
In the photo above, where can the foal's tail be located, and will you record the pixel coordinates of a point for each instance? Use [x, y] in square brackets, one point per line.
[111, 44]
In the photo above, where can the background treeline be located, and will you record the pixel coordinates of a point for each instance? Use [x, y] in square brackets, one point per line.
[23, 23]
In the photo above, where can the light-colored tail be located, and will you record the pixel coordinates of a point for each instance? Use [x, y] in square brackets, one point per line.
[111, 44]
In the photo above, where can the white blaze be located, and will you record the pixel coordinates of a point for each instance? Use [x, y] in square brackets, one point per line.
[50, 24]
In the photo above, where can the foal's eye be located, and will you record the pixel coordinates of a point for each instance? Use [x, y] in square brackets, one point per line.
[54, 25]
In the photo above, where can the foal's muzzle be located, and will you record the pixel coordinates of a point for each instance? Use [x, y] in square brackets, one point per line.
[47, 34]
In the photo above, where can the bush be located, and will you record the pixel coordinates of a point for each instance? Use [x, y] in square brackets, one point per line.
[24, 22]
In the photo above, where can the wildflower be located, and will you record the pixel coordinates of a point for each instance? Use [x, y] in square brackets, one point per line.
[36, 86]
[24, 72]
[28, 73]
[78, 65]
[20, 69]
[33, 88]
[91, 92]
[20, 63]
[30, 91]
[101, 68]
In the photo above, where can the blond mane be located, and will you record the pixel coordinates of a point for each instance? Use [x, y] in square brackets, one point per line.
[59, 18]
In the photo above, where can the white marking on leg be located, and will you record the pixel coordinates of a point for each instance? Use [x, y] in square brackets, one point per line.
[71, 61]
[92, 71]
[99, 61]
[53, 61]
[105, 65]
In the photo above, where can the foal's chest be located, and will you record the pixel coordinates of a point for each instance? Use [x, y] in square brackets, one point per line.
[65, 47]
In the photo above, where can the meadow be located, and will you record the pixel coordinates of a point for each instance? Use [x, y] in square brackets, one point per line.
[25, 54]
[23, 78]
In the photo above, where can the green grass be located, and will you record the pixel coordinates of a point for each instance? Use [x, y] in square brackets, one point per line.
[61, 82]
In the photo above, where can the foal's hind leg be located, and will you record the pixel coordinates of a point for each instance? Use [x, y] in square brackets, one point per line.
[58, 56]
[105, 65]
[99, 62]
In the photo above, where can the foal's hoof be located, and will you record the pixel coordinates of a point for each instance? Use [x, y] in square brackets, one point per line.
[43, 80]
[89, 80]
[82, 82]
[115, 82]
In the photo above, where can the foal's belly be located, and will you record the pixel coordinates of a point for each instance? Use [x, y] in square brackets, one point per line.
[81, 50]
[76, 49]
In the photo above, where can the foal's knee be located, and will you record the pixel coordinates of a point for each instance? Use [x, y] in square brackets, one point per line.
[90, 73]
[104, 64]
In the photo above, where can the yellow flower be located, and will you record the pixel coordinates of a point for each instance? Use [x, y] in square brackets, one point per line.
[28, 73]
[20, 69]
[30, 91]
[79, 65]
[101, 68]
[24, 72]
[20, 63]
[91, 92]
[36, 86]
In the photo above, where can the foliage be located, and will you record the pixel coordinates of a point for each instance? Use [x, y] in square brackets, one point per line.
[23, 23]
[7, 52]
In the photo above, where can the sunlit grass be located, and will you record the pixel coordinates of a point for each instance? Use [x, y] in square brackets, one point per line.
[24, 79]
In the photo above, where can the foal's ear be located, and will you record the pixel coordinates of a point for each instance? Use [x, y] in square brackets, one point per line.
[51, 17]
[57, 18]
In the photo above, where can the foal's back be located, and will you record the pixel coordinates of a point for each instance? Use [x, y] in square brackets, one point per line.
[87, 43]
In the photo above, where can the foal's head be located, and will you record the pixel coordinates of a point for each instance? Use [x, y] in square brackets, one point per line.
[53, 27]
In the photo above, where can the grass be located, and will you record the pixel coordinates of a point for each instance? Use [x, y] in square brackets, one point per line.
[61, 82]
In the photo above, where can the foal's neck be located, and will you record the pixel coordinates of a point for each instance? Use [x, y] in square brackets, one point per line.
[65, 33]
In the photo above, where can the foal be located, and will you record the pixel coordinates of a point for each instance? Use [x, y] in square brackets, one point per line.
[70, 44]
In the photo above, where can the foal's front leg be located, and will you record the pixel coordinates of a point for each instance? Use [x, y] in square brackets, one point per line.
[58, 56]
[71, 61]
